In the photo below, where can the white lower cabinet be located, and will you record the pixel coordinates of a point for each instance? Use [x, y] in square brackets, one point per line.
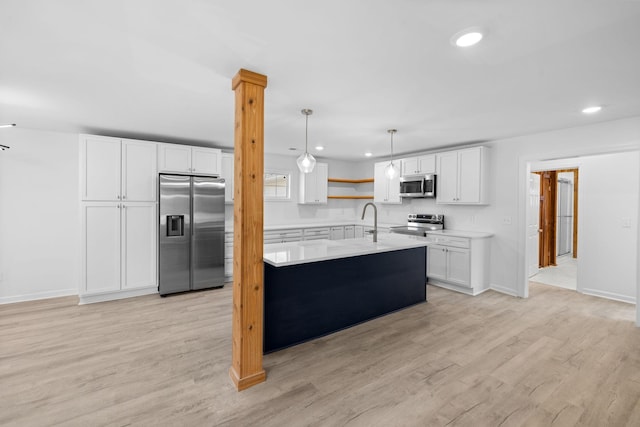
[349, 231]
[315, 233]
[119, 248]
[448, 263]
[282, 235]
[337, 233]
[458, 263]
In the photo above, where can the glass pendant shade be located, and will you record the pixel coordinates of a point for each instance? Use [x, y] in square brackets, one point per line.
[306, 162]
[391, 171]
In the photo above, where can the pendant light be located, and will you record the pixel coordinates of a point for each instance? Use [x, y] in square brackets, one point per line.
[306, 161]
[391, 170]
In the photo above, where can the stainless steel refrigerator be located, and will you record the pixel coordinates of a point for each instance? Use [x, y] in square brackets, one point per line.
[191, 233]
[564, 225]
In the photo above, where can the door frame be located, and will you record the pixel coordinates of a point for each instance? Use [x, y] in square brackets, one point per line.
[571, 157]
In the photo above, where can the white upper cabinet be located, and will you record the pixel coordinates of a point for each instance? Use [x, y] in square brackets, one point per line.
[174, 158]
[227, 174]
[100, 167]
[139, 171]
[187, 159]
[206, 160]
[419, 165]
[113, 169]
[385, 190]
[462, 176]
[313, 186]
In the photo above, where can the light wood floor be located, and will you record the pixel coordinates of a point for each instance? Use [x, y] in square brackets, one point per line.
[558, 358]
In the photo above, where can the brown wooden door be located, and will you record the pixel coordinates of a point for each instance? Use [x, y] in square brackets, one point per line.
[548, 187]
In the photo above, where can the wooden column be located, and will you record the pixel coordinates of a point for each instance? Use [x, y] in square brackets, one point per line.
[248, 273]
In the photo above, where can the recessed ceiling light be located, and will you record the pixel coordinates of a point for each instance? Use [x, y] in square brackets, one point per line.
[8, 126]
[467, 37]
[368, 154]
[319, 147]
[292, 148]
[592, 109]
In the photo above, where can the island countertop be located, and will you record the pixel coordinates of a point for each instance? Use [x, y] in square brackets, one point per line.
[293, 253]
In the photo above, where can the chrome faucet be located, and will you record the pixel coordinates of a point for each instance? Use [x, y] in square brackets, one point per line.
[375, 219]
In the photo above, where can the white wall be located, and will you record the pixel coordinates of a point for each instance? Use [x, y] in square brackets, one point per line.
[39, 215]
[607, 225]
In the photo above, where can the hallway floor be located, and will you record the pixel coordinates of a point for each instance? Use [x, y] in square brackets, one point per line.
[563, 275]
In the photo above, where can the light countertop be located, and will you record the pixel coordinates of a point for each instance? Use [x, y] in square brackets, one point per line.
[292, 253]
[368, 222]
[462, 233]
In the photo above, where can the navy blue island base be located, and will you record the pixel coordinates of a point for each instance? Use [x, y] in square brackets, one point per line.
[309, 300]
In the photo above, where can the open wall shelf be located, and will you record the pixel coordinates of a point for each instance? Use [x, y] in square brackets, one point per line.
[350, 181]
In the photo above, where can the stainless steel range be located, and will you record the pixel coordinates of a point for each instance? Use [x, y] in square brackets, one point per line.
[419, 224]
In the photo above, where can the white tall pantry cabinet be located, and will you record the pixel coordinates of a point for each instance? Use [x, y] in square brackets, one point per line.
[118, 186]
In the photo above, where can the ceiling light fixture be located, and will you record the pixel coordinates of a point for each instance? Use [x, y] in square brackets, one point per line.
[467, 37]
[592, 109]
[391, 170]
[368, 154]
[10, 125]
[319, 147]
[306, 161]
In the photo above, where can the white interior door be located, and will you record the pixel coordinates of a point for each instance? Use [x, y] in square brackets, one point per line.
[533, 224]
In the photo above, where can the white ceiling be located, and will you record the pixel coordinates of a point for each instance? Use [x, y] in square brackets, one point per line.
[162, 70]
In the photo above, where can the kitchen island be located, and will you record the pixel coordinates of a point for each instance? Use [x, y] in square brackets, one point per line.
[313, 288]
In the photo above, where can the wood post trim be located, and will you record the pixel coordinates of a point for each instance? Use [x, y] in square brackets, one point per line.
[248, 271]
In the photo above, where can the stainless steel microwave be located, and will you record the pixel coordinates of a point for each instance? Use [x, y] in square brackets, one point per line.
[418, 186]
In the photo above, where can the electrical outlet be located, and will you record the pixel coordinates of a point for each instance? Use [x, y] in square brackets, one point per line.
[506, 220]
[472, 219]
[626, 222]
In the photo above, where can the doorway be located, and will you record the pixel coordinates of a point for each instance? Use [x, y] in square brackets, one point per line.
[557, 226]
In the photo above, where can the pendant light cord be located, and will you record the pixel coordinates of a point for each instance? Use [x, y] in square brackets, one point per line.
[306, 133]
[391, 131]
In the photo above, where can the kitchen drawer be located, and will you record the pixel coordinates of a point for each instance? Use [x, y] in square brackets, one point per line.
[316, 233]
[456, 242]
[349, 232]
[282, 236]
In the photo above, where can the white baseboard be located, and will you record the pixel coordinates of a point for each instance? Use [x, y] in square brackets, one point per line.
[110, 296]
[609, 295]
[38, 295]
[503, 290]
[461, 289]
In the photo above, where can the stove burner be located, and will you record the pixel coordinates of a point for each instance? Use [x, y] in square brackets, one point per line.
[419, 224]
